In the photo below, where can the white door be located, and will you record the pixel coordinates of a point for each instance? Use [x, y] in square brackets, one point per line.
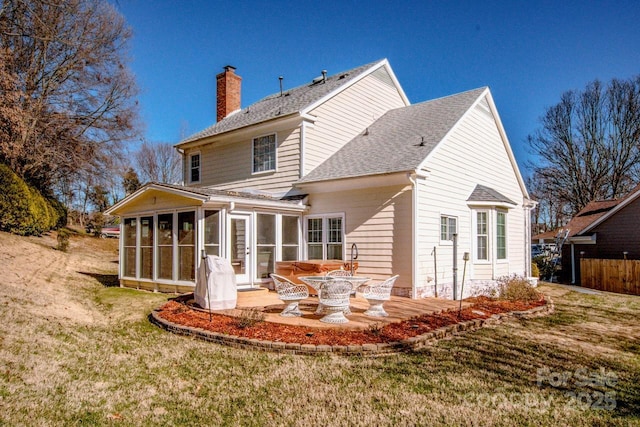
[240, 247]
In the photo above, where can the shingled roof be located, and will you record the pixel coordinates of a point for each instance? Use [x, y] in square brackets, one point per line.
[486, 194]
[290, 102]
[398, 141]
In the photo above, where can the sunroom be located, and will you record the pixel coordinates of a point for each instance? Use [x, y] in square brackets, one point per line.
[165, 229]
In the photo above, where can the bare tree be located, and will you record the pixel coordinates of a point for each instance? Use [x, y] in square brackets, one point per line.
[589, 145]
[76, 99]
[158, 162]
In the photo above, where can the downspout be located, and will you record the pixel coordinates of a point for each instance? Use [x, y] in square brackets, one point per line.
[414, 220]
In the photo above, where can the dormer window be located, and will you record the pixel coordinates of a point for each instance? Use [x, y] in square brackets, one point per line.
[264, 153]
[194, 168]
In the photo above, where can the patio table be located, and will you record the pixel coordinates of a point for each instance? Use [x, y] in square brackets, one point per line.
[317, 282]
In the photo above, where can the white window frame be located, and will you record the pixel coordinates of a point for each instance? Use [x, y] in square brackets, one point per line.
[275, 154]
[190, 167]
[447, 241]
[486, 235]
[506, 235]
[325, 232]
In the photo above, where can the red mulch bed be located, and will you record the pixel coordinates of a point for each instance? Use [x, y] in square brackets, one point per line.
[181, 314]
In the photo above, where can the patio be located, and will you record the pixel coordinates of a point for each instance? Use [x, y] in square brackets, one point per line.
[399, 309]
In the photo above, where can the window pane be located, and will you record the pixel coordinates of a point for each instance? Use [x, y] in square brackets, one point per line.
[264, 153]
[146, 263]
[314, 230]
[146, 231]
[266, 229]
[165, 262]
[443, 228]
[265, 261]
[334, 251]
[187, 260]
[482, 247]
[186, 228]
[290, 253]
[482, 223]
[165, 226]
[453, 227]
[195, 168]
[212, 250]
[130, 231]
[315, 252]
[290, 230]
[130, 262]
[335, 230]
[212, 227]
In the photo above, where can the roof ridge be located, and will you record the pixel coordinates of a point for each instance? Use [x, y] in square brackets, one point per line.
[274, 106]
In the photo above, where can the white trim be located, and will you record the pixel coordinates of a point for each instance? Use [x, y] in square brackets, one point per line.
[303, 133]
[275, 154]
[447, 242]
[355, 183]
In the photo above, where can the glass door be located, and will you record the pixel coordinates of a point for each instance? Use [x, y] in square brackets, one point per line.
[240, 250]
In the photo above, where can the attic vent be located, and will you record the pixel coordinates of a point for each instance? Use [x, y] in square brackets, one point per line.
[343, 76]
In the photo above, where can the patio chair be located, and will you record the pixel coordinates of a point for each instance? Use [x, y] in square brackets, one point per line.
[342, 273]
[339, 273]
[291, 294]
[376, 295]
[334, 297]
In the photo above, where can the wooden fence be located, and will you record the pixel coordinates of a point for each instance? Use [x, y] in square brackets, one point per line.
[611, 275]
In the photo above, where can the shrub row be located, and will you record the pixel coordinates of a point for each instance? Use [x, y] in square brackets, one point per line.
[23, 210]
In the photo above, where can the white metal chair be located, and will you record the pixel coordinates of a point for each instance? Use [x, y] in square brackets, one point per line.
[376, 295]
[334, 298]
[291, 293]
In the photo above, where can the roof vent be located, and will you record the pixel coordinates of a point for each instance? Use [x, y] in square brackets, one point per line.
[422, 142]
[324, 76]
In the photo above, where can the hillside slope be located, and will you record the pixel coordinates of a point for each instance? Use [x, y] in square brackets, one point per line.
[38, 280]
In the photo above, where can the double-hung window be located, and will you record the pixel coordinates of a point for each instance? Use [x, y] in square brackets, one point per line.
[501, 235]
[482, 236]
[448, 227]
[264, 153]
[194, 168]
[325, 237]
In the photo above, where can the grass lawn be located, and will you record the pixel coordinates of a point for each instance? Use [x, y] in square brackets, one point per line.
[578, 366]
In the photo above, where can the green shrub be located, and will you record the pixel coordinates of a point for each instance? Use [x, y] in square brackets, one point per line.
[23, 210]
[516, 288]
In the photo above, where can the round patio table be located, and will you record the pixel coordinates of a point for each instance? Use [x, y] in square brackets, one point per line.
[317, 282]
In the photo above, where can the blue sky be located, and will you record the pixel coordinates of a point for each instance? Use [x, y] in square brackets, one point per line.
[527, 52]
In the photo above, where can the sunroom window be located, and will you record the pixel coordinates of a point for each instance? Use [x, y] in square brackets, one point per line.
[266, 244]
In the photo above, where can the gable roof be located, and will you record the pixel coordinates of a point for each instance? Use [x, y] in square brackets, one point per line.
[616, 205]
[483, 194]
[398, 141]
[588, 215]
[291, 101]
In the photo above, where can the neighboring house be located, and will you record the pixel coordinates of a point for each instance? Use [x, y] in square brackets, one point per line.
[307, 172]
[604, 229]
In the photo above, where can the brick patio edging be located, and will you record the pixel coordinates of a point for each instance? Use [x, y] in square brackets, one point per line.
[409, 344]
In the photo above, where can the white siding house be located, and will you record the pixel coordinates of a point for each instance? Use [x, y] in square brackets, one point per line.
[343, 160]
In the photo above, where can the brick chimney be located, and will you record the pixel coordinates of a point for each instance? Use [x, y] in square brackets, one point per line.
[228, 91]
